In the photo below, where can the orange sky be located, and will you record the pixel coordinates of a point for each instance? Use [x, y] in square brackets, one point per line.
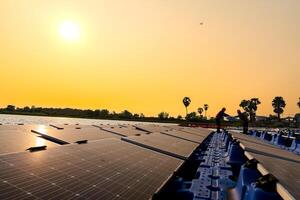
[145, 56]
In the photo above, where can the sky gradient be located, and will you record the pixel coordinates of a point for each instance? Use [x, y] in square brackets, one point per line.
[145, 56]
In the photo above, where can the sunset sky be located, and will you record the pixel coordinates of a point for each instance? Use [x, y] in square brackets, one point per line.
[145, 56]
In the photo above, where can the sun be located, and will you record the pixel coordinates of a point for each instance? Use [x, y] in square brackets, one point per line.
[69, 31]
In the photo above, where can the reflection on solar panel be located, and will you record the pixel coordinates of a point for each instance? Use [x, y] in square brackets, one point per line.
[165, 144]
[105, 169]
[184, 135]
[122, 130]
[19, 139]
[72, 134]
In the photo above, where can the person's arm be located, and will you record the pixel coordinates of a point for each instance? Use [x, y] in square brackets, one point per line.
[226, 115]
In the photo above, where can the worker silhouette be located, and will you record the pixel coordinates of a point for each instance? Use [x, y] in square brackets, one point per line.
[245, 122]
[219, 117]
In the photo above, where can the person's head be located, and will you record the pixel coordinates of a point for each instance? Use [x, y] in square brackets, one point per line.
[223, 109]
[239, 111]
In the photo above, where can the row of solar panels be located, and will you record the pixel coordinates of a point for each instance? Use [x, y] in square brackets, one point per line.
[118, 162]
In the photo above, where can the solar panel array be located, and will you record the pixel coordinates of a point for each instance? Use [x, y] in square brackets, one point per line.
[105, 169]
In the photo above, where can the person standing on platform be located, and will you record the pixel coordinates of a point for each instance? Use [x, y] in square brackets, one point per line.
[219, 117]
[245, 122]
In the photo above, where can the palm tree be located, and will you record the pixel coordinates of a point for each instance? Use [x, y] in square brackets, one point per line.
[200, 111]
[205, 108]
[254, 102]
[278, 104]
[186, 102]
[250, 106]
[299, 103]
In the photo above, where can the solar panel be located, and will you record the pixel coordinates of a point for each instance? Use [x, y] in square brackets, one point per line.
[151, 127]
[184, 135]
[165, 144]
[287, 171]
[18, 127]
[256, 146]
[104, 169]
[283, 164]
[75, 133]
[195, 130]
[19, 139]
[123, 131]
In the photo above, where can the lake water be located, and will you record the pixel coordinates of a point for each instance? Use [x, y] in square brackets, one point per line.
[25, 119]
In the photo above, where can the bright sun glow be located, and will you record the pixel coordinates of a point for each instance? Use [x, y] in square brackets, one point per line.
[69, 31]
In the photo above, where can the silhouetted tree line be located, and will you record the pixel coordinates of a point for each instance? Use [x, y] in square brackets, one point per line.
[249, 106]
[71, 112]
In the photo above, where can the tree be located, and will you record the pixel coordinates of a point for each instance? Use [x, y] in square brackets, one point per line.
[298, 102]
[179, 117]
[136, 116]
[11, 108]
[250, 107]
[126, 114]
[163, 115]
[205, 109]
[186, 102]
[104, 113]
[26, 109]
[200, 111]
[192, 116]
[278, 104]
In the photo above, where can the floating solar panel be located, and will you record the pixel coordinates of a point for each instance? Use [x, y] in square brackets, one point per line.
[184, 135]
[286, 170]
[105, 169]
[151, 128]
[283, 164]
[73, 134]
[165, 144]
[16, 140]
[66, 126]
[18, 127]
[123, 131]
[196, 130]
[256, 146]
